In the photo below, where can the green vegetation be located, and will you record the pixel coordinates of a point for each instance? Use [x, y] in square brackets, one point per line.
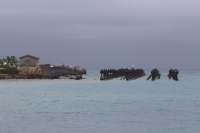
[8, 65]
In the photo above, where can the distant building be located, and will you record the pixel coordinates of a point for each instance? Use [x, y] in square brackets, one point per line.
[29, 61]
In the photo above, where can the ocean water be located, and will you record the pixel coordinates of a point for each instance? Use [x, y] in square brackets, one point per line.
[94, 106]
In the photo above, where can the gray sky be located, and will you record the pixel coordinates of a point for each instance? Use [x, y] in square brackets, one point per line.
[103, 33]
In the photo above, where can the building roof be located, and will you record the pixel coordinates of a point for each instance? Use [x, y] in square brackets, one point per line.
[29, 56]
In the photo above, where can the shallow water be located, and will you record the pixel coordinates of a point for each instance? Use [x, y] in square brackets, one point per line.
[94, 106]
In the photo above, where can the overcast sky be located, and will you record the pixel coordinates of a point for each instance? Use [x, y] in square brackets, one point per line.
[150, 34]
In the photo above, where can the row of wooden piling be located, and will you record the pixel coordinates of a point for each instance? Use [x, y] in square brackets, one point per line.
[107, 74]
[132, 74]
[155, 74]
[128, 74]
[173, 73]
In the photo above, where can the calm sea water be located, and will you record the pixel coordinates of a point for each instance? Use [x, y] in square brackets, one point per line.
[94, 106]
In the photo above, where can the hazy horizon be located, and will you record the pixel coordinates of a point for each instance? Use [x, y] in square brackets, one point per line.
[103, 34]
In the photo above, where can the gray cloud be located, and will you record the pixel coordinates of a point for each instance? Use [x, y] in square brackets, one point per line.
[103, 34]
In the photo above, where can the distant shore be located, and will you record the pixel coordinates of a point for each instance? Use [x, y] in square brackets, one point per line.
[56, 72]
[37, 76]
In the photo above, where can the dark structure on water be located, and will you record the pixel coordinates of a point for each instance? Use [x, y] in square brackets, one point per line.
[173, 73]
[155, 74]
[128, 74]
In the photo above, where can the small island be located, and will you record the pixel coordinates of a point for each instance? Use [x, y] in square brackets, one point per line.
[29, 68]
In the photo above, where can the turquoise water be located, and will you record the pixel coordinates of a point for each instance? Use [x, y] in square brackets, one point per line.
[94, 106]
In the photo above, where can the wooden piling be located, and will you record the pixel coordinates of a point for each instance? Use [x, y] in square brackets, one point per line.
[127, 74]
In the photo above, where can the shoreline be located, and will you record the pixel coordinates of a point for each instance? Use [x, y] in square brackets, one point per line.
[38, 76]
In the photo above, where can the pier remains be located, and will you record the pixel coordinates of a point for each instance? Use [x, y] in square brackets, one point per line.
[155, 74]
[173, 73]
[128, 74]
